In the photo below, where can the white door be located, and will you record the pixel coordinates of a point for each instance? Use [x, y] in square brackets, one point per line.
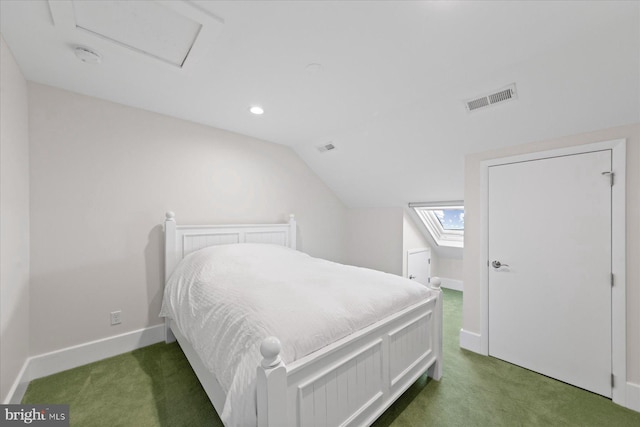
[419, 265]
[550, 306]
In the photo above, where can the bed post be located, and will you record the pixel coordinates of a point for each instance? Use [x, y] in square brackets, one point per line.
[272, 385]
[435, 371]
[169, 262]
[292, 231]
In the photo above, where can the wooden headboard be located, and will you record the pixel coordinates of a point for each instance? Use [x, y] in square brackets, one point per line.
[181, 240]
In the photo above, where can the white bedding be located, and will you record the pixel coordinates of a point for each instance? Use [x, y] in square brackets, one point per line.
[226, 299]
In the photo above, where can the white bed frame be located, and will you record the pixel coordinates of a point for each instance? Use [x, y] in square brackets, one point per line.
[348, 383]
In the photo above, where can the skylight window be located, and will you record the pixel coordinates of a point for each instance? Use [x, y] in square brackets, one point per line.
[444, 221]
[450, 219]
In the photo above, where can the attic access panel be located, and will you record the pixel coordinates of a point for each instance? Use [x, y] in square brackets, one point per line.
[147, 27]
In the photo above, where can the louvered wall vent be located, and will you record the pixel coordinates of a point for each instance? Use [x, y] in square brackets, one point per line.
[326, 147]
[506, 94]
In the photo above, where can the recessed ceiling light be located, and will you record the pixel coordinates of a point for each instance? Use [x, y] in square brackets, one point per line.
[87, 55]
[256, 109]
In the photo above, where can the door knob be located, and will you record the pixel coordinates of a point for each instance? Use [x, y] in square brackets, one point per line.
[412, 277]
[498, 264]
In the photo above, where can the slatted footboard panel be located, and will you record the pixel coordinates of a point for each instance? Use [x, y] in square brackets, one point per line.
[348, 389]
[354, 382]
[409, 347]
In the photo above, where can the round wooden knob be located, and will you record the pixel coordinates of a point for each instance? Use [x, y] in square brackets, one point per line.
[270, 350]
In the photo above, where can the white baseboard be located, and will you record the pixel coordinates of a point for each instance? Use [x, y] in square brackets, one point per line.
[633, 396]
[470, 341]
[17, 390]
[46, 364]
[72, 357]
[456, 285]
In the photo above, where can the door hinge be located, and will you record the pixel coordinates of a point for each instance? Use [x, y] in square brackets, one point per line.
[429, 261]
[612, 382]
[611, 175]
[612, 280]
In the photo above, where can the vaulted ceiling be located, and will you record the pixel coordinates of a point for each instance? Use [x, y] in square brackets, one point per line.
[385, 82]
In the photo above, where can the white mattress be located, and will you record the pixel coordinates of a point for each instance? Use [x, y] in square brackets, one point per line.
[226, 299]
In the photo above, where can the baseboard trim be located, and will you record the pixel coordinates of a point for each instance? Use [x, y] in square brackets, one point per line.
[453, 284]
[633, 397]
[470, 341]
[82, 354]
[46, 364]
[72, 357]
[17, 390]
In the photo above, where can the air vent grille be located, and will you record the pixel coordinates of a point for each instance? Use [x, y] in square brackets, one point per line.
[502, 95]
[326, 147]
[478, 103]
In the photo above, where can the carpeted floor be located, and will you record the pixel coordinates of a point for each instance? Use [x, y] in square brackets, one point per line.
[154, 386]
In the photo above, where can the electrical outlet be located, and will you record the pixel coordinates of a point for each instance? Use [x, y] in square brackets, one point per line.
[116, 317]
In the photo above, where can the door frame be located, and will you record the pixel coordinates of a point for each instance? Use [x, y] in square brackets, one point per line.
[618, 251]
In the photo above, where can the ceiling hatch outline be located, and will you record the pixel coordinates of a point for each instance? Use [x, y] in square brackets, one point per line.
[197, 27]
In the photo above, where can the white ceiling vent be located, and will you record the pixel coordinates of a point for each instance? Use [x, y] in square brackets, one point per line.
[326, 147]
[505, 94]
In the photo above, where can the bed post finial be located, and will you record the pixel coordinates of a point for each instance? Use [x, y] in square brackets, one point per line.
[435, 282]
[270, 350]
[170, 216]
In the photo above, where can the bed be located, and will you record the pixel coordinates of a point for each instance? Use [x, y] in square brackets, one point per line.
[349, 381]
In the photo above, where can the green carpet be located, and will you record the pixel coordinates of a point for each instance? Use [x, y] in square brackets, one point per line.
[155, 386]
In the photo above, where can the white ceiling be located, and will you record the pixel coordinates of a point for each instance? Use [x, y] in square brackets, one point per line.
[391, 89]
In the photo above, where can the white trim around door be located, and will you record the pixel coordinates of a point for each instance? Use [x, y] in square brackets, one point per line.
[618, 248]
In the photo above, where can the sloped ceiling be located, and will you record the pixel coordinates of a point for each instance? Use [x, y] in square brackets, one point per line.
[389, 87]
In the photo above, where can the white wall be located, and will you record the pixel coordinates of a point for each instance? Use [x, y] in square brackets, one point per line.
[102, 177]
[379, 238]
[374, 238]
[412, 238]
[472, 243]
[14, 221]
[450, 268]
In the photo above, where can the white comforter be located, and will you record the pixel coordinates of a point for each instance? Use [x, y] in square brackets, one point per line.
[227, 299]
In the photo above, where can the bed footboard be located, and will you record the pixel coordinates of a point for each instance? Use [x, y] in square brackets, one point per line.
[354, 380]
